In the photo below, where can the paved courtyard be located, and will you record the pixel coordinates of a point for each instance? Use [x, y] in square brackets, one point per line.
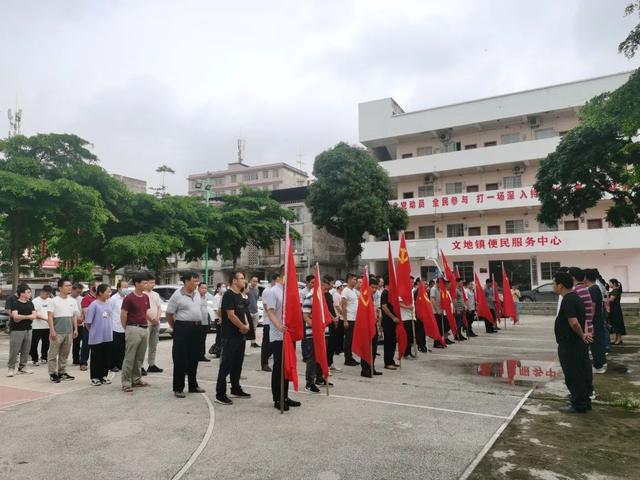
[431, 419]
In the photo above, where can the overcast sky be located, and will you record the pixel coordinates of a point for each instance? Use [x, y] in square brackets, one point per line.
[153, 82]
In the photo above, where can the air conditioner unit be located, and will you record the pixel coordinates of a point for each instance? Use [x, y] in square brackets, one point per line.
[518, 170]
[429, 178]
[534, 122]
[444, 137]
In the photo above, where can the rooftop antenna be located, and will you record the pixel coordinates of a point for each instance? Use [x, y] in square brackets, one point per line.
[300, 162]
[14, 120]
[241, 144]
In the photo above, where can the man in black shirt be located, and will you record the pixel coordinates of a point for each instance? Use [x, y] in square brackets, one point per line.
[572, 343]
[389, 320]
[232, 331]
[22, 313]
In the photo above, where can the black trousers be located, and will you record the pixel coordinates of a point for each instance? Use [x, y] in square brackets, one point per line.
[408, 327]
[389, 331]
[471, 316]
[39, 335]
[276, 348]
[204, 330]
[117, 350]
[364, 365]
[575, 363]
[231, 360]
[265, 348]
[100, 357]
[330, 342]
[441, 320]
[187, 341]
[81, 346]
[348, 341]
[338, 345]
[597, 346]
[489, 327]
[421, 336]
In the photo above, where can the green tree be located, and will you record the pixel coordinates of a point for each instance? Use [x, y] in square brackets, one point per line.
[34, 202]
[630, 45]
[599, 158]
[351, 196]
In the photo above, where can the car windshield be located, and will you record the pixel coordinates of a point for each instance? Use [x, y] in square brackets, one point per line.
[165, 292]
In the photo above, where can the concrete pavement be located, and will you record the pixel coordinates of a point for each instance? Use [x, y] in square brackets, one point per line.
[428, 420]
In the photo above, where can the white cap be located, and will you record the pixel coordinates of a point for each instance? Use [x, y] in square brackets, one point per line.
[338, 284]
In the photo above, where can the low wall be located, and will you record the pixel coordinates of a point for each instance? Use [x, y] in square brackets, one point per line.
[550, 308]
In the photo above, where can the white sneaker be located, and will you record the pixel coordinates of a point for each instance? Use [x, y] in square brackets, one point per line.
[35, 364]
[335, 369]
[603, 369]
[593, 395]
[24, 370]
[12, 372]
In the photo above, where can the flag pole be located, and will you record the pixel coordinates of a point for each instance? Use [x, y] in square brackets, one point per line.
[284, 310]
[326, 379]
[503, 293]
[393, 265]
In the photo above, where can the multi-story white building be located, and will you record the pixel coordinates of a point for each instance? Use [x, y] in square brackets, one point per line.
[465, 175]
[272, 176]
[134, 185]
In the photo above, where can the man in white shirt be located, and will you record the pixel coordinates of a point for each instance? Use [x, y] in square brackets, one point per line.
[265, 351]
[154, 325]
[349, 306]
[63, 328]
[40, 326]
[117, 352]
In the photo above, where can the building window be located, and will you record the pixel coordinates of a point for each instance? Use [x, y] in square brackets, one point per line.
[452, 146]
[544, 133]
[490, 144]
[465, 269]
[407, 155]
[427, 231]
[265, 174]
[455, 230]
[247, 177]
[548, 270]
[493, 230]
[424, 151]
[472, 188]
[512, 182]
[594, 223]
[514, 226]
[509, 138]
[542, 227]
[474, 232]
[218, 180]
[492, 186]
[275, 173]
[411, 235]
[452, 188]
[407, 195]
[234, 178]
[426, 190]
[297, 245]
[471, 146]
[299, 211]
[571, 225]
[428, 273]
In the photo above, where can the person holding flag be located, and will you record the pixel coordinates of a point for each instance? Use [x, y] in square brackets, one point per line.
[460, 309]
[365, 335]
[389, 321]
[446, 303]
[482, 306]
[405, 292]
[470, 304]
[508, 303]
[425, 314]
[491, 302]
[393, 299]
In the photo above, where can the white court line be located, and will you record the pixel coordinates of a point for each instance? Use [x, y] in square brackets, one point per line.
[205, 440]
[472, 466]
[398, 404]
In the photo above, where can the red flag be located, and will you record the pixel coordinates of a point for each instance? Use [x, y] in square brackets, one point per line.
[318, 324]
[445, 304]
[482, 307]
[509, 306]
[392, 292]
[424, 312]
[404, 273]
[496, 298]
[447, 269]
[365, 326]
[292, 318]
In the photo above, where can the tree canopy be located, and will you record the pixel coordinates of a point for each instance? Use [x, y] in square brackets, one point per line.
[598, 159]
[629, 46]
[351, 196]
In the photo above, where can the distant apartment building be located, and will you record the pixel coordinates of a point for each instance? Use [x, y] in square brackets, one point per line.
[272, 176]
[134, 185]
[465, 174]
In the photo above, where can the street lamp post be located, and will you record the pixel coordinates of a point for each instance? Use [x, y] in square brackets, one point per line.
[206, 188]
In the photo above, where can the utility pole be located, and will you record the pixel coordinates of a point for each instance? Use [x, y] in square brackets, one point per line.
[14, 121]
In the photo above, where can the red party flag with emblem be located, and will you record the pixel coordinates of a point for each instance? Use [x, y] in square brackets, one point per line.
[447, 270]
[365, 326]
[496, 298]
[424, 312]
[292, 314]
[508, 305]
[405, 286]
[318, 324]
[392, 291]
[445, 304]
[482, 307]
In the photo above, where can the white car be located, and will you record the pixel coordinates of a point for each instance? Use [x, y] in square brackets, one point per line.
[165, 292]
